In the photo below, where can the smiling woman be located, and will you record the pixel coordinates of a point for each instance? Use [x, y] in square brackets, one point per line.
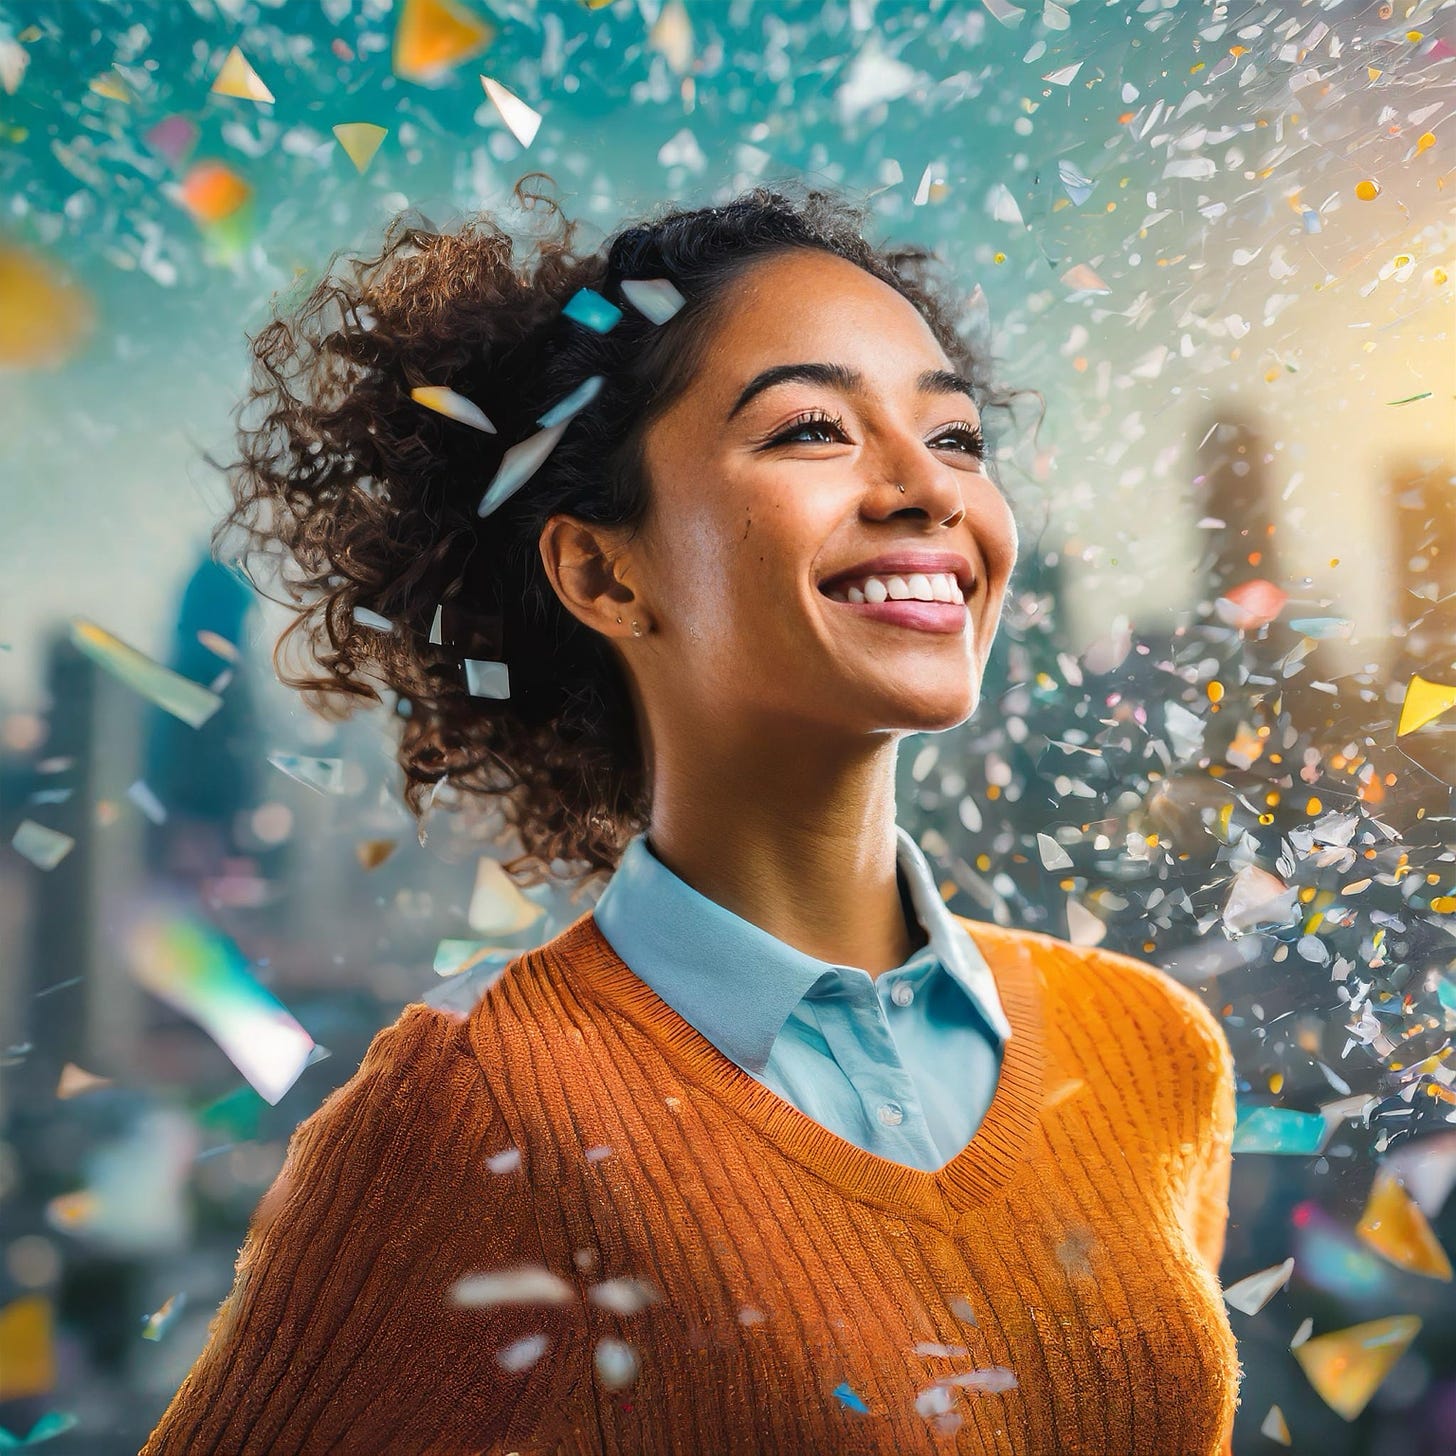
[663, 550]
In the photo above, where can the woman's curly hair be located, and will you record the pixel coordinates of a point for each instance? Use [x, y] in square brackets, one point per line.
[367, 500]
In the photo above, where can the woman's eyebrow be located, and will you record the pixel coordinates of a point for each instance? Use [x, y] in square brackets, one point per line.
[849, 381]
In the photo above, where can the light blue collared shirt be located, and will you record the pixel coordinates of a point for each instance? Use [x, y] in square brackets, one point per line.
[903, 1064]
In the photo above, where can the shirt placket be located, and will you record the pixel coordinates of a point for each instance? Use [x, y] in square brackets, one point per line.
[858, 1036]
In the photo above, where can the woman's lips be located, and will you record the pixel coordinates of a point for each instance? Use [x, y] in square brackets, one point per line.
[944, 617]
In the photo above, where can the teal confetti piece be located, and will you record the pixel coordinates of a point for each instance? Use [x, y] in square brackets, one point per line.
[849, 1398]
[1278, 1130]
[53, 1423]
[592, 310]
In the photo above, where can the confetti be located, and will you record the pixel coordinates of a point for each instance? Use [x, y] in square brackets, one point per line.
[615, 1362]
[1424, 703]
[1251, 604]
[175, 694]
[76, 1082]
[45, 848]
[45, 315]
[322, 775]
[453, 406]
[623, 1296]
[1257, 899]
[518, 465]
[487, 679]
[432, 37]
[1254, 1291]
[1348, 1366]
[530, 1284]
[1279, 1130]
[238, 78]
[212, 192]
[156, 1324]
[201, 973]
[1394, 1226]
[656, 298]
[27, 1352]
[522, 121]
[1275, 1427]
[360, 140]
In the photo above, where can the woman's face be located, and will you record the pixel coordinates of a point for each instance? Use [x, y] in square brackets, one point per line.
[762, 490]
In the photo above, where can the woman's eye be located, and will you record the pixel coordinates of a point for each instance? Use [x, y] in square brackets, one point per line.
[824, 425]
[971, 438]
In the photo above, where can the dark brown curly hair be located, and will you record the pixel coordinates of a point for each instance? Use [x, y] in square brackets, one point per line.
[366, 501]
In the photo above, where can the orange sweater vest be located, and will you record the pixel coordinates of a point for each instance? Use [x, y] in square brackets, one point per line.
[1052, 1289]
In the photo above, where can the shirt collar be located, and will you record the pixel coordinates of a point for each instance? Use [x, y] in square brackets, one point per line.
[679, 942]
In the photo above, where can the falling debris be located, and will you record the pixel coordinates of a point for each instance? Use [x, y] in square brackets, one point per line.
[1394, 1226]
[360, 141]
[238, 78]
[1254, 1291]
[1348, 1366]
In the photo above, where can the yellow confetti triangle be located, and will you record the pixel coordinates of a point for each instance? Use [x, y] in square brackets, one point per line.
[360, 140]
[1394, 1226]
[1425, 701]
[238, 78]
[434, 35]
[27, 1350]
[1347, 1366]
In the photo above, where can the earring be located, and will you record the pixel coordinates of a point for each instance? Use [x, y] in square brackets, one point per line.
[619, 619]
[636, 628]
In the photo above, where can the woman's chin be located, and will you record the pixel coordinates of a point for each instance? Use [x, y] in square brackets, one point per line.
[933, 708]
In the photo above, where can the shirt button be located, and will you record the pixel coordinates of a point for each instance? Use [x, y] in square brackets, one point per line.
[902, 993]
[891, 1114]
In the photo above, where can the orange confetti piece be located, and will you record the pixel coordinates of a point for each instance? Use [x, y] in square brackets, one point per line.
[433, 36]
[44, 316]
[1251, 604]
[1394, 1226]
[211, 191]
[76, 1080]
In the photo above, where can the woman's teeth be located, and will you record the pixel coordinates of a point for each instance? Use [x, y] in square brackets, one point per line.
[941, 586]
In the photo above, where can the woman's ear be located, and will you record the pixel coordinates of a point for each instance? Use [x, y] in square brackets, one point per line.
[587, 565]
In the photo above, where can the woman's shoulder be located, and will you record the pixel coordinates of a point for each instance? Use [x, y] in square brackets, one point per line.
[418, 1070]
[1138, 990]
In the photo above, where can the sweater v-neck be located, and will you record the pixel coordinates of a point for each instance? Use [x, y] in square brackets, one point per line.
[583, 956]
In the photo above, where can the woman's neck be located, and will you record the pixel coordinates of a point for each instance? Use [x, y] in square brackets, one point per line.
[794, 843]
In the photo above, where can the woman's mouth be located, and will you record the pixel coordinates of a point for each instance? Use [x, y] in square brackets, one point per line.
[926, 603]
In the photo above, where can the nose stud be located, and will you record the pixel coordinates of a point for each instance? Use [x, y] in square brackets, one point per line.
[899, 487]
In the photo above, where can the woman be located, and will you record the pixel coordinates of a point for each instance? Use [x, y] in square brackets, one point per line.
[770, 1152]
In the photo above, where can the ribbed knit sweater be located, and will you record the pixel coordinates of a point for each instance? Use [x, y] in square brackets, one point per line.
[1052, 1289]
